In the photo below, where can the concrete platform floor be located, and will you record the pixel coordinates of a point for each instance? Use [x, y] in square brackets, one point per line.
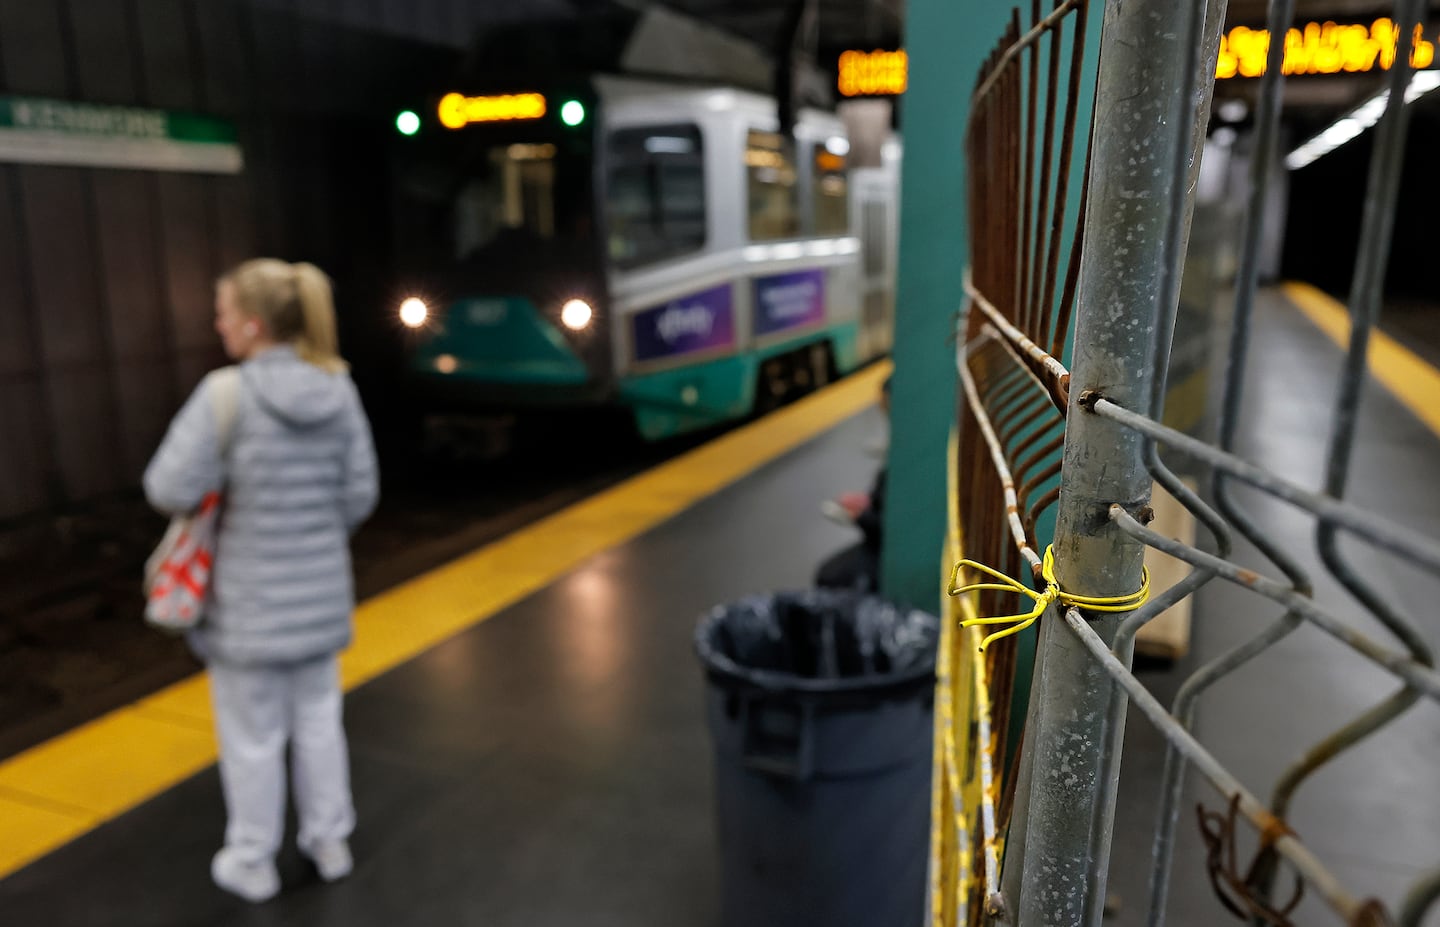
[551, 766]
[548, 767]
[1373, 814]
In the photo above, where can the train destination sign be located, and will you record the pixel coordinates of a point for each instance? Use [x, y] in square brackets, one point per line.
[456, 111]
[873, 73]
[41, 131]
[1313, 48]
[1322, 48]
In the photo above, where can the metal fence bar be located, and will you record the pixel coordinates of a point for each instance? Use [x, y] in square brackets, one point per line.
[1061, 326]
[997, 456]
[1305, 862]
[1012, 52]
[1382, 190]
[1203, 32]
[1421, 898]
[1204, 29]
[1033, 351]
[1064, 805]
[1416, 673]
[1172, 776]
[1152, 99]
[989, 823]
[1025, 247]
[1397, 539]
[1267, 132]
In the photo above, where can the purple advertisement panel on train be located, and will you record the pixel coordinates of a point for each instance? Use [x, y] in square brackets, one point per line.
[789, 301]
[702, 321]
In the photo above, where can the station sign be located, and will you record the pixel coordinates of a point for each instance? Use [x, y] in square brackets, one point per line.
[703, 321]
[42, 131]
[1323, 48]
[456, 110]
[786, 301]
[873, 73]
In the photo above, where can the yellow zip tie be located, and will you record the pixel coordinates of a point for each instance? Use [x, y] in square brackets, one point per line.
[1052, 593]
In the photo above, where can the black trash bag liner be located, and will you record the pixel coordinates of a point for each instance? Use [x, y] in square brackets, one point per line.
[818, 639]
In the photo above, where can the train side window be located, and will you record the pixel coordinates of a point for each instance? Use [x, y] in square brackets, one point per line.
[655, 193]
[830, 193]
[774, 206]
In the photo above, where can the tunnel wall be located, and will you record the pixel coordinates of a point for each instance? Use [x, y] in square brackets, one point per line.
[106, 274]
[1327, 199]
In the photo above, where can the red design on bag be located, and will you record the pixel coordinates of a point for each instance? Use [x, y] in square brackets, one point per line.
[182, 578]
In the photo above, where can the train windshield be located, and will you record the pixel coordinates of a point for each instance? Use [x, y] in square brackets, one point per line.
[489, 199]
[516, 195]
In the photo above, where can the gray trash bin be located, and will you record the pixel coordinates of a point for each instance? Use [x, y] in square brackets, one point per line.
[819, 705]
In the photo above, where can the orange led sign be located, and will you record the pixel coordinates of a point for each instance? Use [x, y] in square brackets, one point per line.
[1321, 48]
[873, 73]
[456, 111]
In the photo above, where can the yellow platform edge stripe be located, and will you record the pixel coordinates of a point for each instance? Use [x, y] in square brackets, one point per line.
[61, 789]
[1407, 376]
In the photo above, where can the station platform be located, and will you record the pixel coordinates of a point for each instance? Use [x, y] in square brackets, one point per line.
[526, 724]
[1373, 813]
[537, 754]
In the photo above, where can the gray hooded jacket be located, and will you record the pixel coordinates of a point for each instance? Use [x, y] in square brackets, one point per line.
[299, 477]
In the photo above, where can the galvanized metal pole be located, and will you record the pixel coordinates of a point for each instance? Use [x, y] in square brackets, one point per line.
[1063, 809]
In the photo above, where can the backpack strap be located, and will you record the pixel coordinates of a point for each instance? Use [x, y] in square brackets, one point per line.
[225, 400]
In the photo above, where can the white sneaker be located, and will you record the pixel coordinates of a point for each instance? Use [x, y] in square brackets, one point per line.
[254, 882]
[332, 858]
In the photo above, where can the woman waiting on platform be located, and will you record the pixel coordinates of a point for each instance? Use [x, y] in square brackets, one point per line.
[297, 469]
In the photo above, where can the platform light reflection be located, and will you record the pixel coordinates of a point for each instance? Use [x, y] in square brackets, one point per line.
[593, 649]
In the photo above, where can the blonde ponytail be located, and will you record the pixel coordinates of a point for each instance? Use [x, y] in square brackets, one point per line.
[295, 303]
[317, 341]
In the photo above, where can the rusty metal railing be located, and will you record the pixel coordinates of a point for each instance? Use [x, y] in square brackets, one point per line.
[1076, 437]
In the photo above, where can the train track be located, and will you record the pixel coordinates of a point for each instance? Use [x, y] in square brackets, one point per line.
[73, 643]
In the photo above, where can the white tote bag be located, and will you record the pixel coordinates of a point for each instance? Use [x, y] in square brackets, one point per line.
[177, 574]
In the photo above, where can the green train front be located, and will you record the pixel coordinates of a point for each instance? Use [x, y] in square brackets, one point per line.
[631, 243]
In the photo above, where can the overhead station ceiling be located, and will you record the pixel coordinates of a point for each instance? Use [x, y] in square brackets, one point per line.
[837, 25]
[1252, 12]
[841, 24]
[867, 24]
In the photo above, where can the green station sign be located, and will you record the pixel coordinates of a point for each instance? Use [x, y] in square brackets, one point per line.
[40, 131]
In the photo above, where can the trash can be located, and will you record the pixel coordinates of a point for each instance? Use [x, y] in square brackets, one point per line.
[819, 704]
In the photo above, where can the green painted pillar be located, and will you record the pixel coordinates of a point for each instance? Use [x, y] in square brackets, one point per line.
[947, 40]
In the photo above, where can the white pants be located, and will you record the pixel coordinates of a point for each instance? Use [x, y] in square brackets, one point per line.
[257, 710]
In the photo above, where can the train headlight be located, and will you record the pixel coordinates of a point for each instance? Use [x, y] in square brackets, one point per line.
[576, 315]
[414, 312]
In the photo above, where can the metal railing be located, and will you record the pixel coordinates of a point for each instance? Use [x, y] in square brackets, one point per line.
[1024, 836]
